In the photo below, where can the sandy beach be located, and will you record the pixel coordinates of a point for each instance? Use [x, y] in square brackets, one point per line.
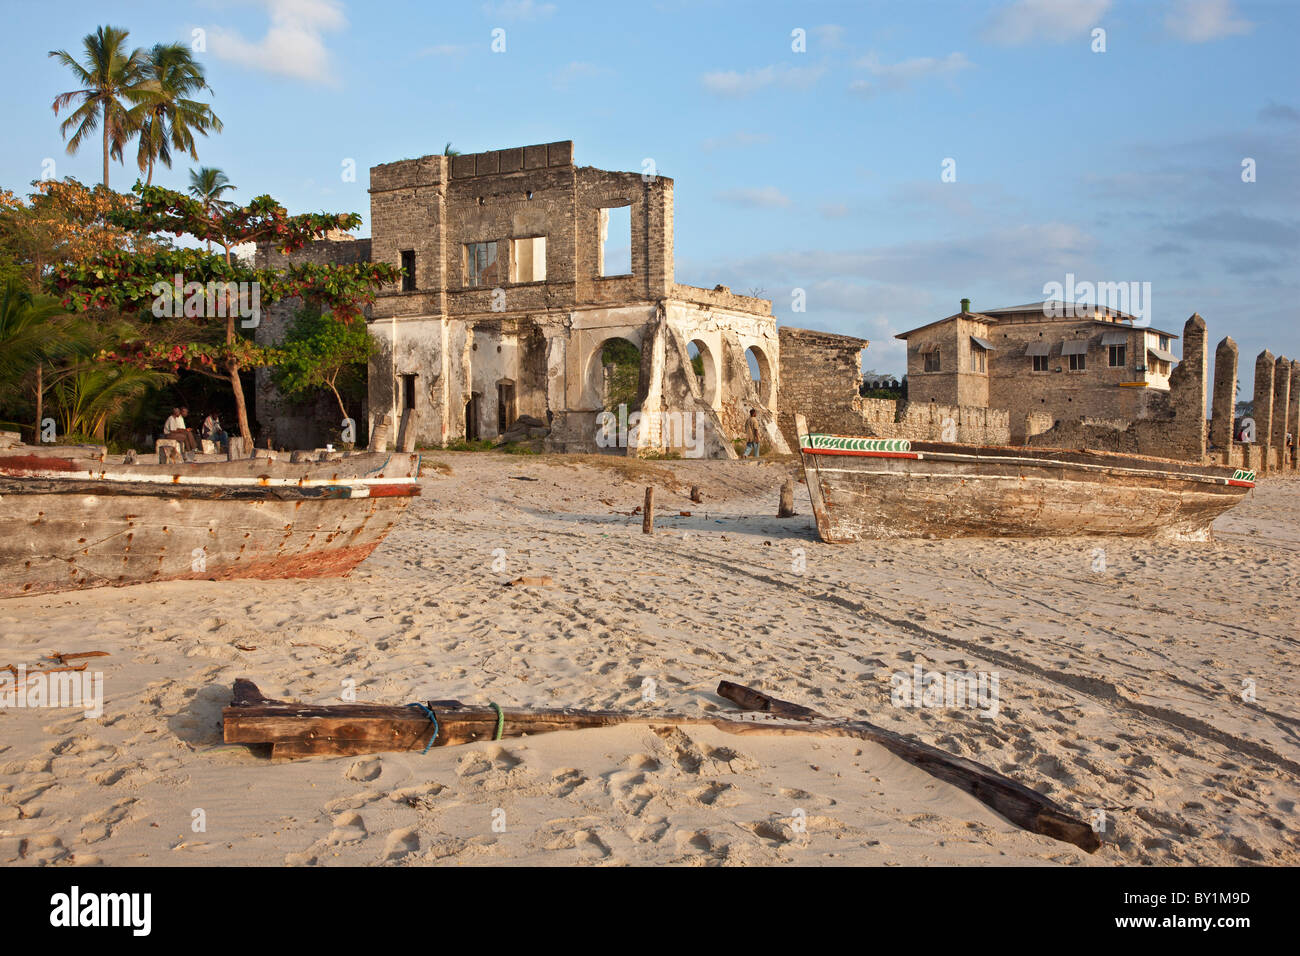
[1152, 683]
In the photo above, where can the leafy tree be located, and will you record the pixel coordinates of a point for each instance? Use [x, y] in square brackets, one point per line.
[168, 117]
[321, 352]
[130, 280]
[624, 383]
[112, 84]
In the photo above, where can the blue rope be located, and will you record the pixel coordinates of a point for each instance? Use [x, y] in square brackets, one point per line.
[434, 720]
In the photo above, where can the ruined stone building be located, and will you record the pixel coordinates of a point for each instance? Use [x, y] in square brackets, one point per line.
[1041, 364]
[519, 268]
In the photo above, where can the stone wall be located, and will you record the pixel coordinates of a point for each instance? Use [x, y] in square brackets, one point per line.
[821, 374]
[312, 422]
[1176, 430]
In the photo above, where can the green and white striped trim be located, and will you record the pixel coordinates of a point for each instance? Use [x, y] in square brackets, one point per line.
[1240, 475]
[837, 443]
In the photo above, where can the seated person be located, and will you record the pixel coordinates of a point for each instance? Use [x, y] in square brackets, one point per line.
[175, 429]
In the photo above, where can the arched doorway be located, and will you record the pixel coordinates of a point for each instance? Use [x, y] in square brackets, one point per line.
[760, 370]
[617, 367]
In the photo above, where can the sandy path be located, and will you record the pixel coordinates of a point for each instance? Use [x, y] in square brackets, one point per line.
[1120, 688]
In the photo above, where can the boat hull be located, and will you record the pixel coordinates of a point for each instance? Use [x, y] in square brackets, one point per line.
[84, 528]
[880, 488]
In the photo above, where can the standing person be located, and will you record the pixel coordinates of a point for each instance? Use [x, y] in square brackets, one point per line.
[753, 436]
[175, 429]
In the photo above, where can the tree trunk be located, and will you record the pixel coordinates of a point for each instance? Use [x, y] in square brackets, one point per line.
[241, 410]
[104, 120]
[40, 401]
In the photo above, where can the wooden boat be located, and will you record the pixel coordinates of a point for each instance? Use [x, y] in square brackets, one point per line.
[69, 523]
[893, 488]
[293, 730]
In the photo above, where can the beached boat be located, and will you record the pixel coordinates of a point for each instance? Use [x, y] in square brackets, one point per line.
[893, 488]
[69, 523]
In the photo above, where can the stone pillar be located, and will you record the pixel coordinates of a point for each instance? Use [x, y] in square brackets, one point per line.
[1225, 399]
[1187, 392]
[1262, 410]
[1293, 414]
[1281, 406]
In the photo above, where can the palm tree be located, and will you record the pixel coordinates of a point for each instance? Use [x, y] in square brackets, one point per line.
[207, 183]
[448, 151]
[168, 118]
[108, 75]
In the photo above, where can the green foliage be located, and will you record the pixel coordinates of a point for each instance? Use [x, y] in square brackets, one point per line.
[623, 385]
[318, 352]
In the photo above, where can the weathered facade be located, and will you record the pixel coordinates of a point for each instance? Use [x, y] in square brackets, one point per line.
[1037, 360]
[512, 294]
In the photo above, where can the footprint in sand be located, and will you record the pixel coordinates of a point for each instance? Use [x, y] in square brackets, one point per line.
[401, 843]
[364, 771]
[348, 828]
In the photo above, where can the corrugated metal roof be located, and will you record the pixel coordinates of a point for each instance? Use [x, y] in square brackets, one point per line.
[985, 344]
[1074, 347]
[1162, 355]
[1038, 348]
[1114, 338]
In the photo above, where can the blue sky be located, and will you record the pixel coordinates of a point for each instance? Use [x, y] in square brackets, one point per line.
[818, 170]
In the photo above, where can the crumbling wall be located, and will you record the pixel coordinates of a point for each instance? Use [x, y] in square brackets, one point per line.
[1177, 428]
[821, 374]
[311, 422]
[1293, 414]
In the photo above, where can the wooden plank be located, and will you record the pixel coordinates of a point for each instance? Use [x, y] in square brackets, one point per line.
[301, 730]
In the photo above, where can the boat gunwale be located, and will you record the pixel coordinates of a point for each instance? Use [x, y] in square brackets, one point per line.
[994, 454]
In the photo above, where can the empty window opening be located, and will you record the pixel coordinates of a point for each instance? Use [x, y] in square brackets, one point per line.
[1117, 356]
[408, 391]
[614, 256]
[528, 259]
[408, 270]
[932, 363]
[506, 413]
[481, 266]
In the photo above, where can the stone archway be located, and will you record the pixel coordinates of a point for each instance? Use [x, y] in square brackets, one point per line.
[760, 370]
[705, 365]
[614, 373]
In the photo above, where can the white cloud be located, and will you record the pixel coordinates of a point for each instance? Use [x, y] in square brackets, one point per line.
[1053, 21]
[520, 10]
[897, 76]
[732, 83]
[766, 197]
[293, 44]
[829, 35]
[1199, 21]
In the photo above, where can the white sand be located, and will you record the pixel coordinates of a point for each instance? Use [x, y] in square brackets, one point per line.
[1119, 688]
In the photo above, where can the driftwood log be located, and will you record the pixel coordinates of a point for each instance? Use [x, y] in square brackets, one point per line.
[305, 730]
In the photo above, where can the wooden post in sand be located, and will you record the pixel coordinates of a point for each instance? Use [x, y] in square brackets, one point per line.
[696, 496]
[786, 508]
[648, 515]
